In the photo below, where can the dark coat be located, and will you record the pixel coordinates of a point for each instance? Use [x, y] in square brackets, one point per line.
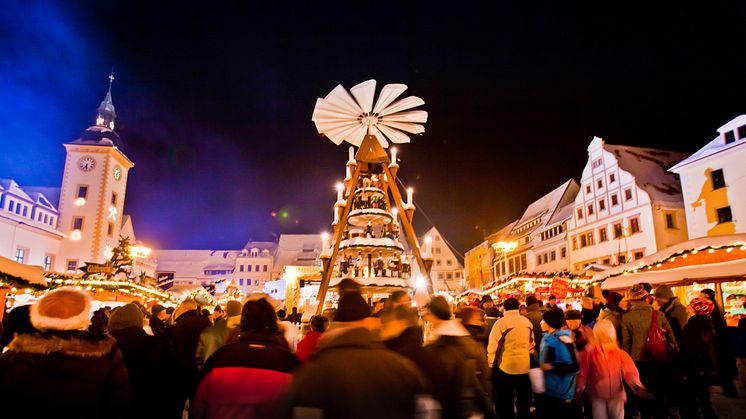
[408, 344]
[676, 315]
[155, 373]
[635, 327]
[64, 374]
[184, 335]
[245, 379]
[353, 375]
[210, 340]
[534, 313]
[158, 327]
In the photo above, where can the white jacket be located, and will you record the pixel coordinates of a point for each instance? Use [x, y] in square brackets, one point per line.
[518, 344]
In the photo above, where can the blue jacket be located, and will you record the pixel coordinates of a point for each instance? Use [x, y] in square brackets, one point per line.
[558, 350]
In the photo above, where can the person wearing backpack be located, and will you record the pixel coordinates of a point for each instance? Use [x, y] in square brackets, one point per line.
[648, 338]
[559, 362]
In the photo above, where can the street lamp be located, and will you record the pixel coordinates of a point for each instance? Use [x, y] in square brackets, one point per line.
[504, 248]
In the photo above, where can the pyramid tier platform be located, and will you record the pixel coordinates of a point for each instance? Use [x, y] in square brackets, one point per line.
[385, 245]
[374, 216]
[375, 282]
[370, 191]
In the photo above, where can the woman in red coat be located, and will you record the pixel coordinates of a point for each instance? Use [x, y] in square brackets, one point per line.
[307, 346]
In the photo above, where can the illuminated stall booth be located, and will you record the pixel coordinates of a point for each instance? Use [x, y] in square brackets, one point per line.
[569, 289]
[717, 262]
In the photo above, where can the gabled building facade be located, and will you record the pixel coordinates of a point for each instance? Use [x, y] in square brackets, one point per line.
[628, 205]
[713, 185]
[447, 272]
[478, 265]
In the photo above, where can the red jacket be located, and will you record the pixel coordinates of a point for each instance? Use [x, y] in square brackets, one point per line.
[245, 379]
[307, 345]
[602, 372]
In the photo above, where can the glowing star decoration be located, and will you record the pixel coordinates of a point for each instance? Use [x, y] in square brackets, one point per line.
[80, 202]
[344, 117]
[108, 253]
[113, 212]
[100, 121]
[75, 235]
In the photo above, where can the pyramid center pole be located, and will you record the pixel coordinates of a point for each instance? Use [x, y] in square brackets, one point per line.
[338, 232]
[407, 226]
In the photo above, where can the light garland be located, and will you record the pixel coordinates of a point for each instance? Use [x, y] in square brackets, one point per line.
[108, 285]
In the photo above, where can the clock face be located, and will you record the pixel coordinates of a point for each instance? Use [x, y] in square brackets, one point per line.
[86, 163]
[117, 172]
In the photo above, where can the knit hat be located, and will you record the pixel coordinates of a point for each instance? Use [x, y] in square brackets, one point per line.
[573, 315]
[128, 315]
[531, 300]
[637, 292]
[66, 308]
[555, 318]
[233, 308]
[440, 308]
[157, 308]
[351, 307]
[663, 291]
[702, 306]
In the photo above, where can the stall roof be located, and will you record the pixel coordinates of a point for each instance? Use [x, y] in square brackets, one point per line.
[32, 274]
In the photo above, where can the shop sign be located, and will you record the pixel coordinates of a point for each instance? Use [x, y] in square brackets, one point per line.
[559, 288]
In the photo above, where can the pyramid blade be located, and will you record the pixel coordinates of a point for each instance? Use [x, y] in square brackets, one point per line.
[394, 135]
[407, 116]
[323, 107]
[402, 105]
[326, 126]
[405, 126]
[389, 93]
[356, 137]
[341, 133]
[379, 136]
[340, 98]
[364, 93]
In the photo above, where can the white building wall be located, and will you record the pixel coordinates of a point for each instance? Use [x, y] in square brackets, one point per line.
[250, 279]
[35, 242]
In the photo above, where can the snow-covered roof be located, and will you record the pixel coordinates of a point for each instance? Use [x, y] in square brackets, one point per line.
[52, 194]
[10, 186]
[717, 145]
[297, 250]
[650, 169]
[192, 263]
[547, 204]
[261, 246]
[562, 214]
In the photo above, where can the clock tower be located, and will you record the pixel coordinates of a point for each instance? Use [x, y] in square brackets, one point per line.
[93, 189]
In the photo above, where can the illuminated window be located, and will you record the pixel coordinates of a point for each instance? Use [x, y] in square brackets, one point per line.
[617, 230]
[20, 255]
[602, 235]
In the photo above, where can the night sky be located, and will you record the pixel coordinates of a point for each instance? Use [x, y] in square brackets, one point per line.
[214, 102]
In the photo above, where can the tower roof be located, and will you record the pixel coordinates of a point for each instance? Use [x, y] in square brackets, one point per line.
[102, 133]
[106, 112]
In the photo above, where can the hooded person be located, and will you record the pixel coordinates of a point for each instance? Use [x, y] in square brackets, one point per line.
[456, 365]
[246, 379]
[613, 312]
[377, 382]
[157, 321]
[64, 370]
[558, 359]
[215, 336]
[149, 359]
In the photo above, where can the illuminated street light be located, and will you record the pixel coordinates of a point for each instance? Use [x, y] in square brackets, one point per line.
[140, 251]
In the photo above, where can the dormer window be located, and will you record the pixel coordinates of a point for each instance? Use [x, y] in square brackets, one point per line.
[730, 137]
[597, 163]
[742, 132]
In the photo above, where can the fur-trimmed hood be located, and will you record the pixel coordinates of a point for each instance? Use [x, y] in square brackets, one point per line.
[79, 344]
[66, 308]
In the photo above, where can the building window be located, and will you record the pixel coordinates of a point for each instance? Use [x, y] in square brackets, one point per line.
[590, 209]
[670, 221]
[46, 219]
[256, 268]
[617, 230]
[724, 215]
[552, 256]
[730, 137]
[538, 259]
[575, 243]
[602, 235]
[718, 179]
[440, 275]
[639, 255]
[457, 275]
[437, 262]
[25, 210]
[596, 163]
[77, 223]
[580, 213]
[612, 178]
[583, 240]
[72, 265]
[240, 268]
[601, 205]
[20, 255]
[10, 205]
[606, 261]
[634, 225]
[449, 262]
[264, 268]
[621, 259]
[449, 275]
[588, 189]
[523, 262]
[563, 252]
[248, 268]
[82, 191]
[110, 229]
[614, 200]
[240, 281]
[628, 194]
[114, 198]
[742, 132]
[48, 262]
[437, 250]
[600, 183]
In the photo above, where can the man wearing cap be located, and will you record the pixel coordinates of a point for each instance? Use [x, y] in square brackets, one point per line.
[352, 374]
[157, 322]
[509, 350]
[670, 306]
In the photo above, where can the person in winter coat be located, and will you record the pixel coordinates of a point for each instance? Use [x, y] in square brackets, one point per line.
[149, 360]
[604, 368]
[509, 353]
[533, 314]
[157, 321]
[214, 337]
[472, 318]
[17, 322]
[307, 345]
[456, 365]
[613, 312]
[245, 379]
[184, 336]
[700, 366]
[63, 370]
[636, 324]
[675, 311]
[581, 335]
[402, 333]
[558, 360]
[352, 375]
[725, 357]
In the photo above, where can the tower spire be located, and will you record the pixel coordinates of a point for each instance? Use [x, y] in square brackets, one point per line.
[106, 112]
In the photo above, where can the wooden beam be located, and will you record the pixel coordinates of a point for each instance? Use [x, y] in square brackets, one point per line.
[407, 225]
[338, 232]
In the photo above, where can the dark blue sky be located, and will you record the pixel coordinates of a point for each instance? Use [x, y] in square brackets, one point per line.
[214, 103]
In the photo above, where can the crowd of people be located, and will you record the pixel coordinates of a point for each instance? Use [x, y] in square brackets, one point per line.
[644, 354]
